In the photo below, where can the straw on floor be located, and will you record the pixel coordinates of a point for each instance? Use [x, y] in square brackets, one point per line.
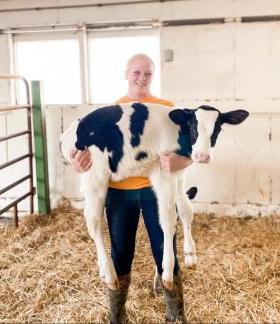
[49, 273]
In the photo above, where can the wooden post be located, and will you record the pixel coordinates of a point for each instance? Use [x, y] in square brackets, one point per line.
[40, 145]
[15, 215]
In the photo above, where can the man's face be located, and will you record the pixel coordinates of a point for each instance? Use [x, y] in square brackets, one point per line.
[139, 77]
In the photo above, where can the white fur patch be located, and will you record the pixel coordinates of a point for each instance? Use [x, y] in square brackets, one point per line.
[206, 120]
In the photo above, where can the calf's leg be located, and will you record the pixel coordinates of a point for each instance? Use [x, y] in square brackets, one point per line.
[163, 185]
[95, 194]
[185, 212]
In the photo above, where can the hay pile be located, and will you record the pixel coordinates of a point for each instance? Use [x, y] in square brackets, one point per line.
[48, 272]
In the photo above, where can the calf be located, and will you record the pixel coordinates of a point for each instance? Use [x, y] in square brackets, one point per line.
[126, 141]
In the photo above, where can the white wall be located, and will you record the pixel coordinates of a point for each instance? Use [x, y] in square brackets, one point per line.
[230, 66]
[92, 13]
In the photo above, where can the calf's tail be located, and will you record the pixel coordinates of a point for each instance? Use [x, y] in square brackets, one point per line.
[191, 193]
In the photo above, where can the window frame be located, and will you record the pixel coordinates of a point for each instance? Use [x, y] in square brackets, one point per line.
[82, 33]
[50, 36]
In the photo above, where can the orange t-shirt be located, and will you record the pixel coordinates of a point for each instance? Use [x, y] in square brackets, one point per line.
[137, 182]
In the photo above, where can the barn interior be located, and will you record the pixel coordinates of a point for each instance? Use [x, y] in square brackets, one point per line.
[221, 53]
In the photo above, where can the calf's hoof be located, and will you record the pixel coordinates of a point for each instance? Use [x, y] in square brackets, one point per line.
[114, 285]
[168, 284]
[190, 260]
[108, 275]
[167, 279]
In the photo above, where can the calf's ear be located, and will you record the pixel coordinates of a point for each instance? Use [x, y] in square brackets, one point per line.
[180, 116]
[234, 117]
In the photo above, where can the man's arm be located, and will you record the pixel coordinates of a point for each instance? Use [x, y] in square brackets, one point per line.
[80, 160]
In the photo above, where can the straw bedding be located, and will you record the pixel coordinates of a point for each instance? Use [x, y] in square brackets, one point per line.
[48, 272]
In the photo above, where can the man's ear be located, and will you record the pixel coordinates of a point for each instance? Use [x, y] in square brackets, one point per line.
[180, 116]
[234, 117]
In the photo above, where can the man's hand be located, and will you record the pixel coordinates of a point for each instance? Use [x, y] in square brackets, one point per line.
[80, 160]
[171, 161]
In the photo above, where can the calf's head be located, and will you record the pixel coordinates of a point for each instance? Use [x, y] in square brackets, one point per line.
[203, 126]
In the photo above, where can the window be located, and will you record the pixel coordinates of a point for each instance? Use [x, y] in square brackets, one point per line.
[56, 63]
[108, 57]
[60, 61]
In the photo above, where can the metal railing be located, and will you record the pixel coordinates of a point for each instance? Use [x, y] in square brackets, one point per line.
[29, 155]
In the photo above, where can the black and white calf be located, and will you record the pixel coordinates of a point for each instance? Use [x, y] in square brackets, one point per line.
[126, 141]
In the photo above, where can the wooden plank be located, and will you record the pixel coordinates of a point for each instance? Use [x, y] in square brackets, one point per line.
[41, 158]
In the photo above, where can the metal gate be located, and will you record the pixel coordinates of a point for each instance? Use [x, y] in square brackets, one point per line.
[29, 155]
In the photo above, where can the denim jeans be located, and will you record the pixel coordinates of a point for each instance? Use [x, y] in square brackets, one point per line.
[123, 209]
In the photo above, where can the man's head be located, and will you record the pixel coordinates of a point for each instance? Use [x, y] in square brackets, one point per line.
[139, 72]
[204, 125]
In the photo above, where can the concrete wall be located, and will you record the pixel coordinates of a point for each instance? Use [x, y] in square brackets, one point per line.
[230, 65]
[234, 65]
[89, 10]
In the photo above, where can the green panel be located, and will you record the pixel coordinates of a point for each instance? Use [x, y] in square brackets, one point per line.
[40, 144]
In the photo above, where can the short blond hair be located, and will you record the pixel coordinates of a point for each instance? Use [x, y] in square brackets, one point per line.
[136, 57]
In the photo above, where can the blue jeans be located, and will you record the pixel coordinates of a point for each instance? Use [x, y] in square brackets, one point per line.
[123, 211]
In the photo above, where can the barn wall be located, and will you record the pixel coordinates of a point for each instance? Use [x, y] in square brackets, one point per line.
[229, 65]
[14, 12]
